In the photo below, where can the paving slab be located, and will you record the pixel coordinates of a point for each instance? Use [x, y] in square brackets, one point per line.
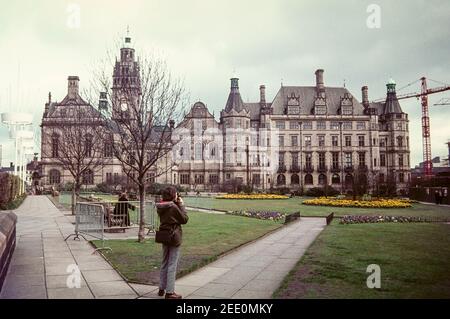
[60, 281]
[39, 264]
[256, 270]
[143, 289]
[94, 276]
[111, 288]
[69, 293]
[218, 290]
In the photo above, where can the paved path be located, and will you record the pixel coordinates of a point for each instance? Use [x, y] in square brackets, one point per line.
[38, 268]
[39, 264]
[256, 270]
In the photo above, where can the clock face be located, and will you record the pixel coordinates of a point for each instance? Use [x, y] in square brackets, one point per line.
[124, 106]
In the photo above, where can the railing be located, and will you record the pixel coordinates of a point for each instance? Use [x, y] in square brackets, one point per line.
[122, 215]
[322, 168]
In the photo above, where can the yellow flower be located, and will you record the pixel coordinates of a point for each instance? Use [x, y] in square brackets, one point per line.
[252, 196]
[381, 203]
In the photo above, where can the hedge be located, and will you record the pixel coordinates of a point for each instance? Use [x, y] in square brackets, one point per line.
[9, 189]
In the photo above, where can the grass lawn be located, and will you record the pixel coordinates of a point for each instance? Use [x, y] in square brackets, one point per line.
[295, 204]
[414, 261]
[205, 237]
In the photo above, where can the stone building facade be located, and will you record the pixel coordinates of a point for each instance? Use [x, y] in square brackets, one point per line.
[307, 136]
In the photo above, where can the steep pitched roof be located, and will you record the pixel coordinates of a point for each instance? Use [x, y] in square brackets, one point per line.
[234, 101]
[307, 95]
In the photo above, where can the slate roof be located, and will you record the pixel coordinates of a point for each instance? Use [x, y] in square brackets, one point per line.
[392, 105]
[307, 95]
[235, 102]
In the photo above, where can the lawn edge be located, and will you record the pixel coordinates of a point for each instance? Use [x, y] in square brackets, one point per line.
[201, 264]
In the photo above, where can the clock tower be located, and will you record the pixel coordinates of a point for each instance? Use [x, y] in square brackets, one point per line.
[126, 88]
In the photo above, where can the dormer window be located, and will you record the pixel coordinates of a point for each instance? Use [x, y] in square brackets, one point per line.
[347, 110]
[320, 110]
[293, 104]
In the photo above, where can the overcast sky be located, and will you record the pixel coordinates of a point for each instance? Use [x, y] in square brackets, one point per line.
[265, 42]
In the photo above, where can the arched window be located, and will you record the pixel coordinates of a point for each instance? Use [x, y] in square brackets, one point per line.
[198, 150]
[308, 179]
[399, 141]
[281, 179]
[295, 180]
[335, 179]
[349, 179]
[212, 150]
[55, 145]
[88, 177]
[54, 177]
[322, 179]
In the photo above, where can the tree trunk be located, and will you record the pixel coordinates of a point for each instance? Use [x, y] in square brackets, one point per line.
[73, 200]
[75, 194]
[141, 234]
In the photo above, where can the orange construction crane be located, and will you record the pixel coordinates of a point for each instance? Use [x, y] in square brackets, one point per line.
[426, 136]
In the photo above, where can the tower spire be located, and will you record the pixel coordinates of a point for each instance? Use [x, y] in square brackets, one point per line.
[127, 43]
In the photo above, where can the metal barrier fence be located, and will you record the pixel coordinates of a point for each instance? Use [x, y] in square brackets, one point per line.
[95, 218]
[121, 215]
[89, 220]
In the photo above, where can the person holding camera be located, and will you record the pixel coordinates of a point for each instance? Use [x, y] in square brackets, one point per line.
[172, 215]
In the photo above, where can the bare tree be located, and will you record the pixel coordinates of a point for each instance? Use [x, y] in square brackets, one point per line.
[71, 141]
[143, 101]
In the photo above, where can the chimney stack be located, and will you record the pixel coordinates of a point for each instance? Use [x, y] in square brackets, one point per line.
[319, 81]
[262, 94]
[72, 90]
[365, 96]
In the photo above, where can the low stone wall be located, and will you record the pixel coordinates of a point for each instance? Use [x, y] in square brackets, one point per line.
[7, 242]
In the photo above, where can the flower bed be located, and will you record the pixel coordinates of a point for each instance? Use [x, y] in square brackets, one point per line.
[360, 219]
[252, 196]
[379, 203]
[267, 215]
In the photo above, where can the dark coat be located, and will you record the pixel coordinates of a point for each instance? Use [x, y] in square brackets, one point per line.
[121, 209]
[172, 216]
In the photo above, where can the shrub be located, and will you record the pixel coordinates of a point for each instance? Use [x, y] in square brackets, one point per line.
[68, 187]
[104, 188]
[322, 191]
[156, 188]
[9, 189]
[247, 189]
[282, 190]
